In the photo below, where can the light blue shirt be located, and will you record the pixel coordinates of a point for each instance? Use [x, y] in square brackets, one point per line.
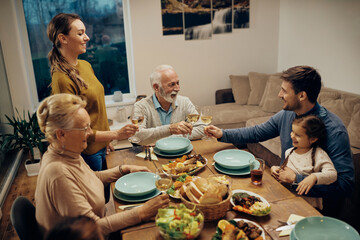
[165, 116]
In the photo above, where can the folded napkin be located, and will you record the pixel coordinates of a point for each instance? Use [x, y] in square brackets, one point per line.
[153, 156]
[292, 220]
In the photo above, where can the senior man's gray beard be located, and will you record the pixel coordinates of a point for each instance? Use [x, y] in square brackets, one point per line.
[168, 97]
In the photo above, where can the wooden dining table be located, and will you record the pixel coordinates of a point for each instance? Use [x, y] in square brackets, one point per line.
[283, 202]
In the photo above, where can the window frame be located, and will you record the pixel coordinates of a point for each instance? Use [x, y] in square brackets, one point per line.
[128, 97]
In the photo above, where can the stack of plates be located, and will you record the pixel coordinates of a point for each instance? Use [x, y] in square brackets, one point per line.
[233, 161]
[173, 146]
[323, 228]
[136, 187]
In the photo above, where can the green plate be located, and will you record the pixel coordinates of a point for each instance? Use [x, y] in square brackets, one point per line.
[136, 184]
[233, 158]
[172, 145]
[324, 228]
[173, 155]
[234, 172]
[143, 198]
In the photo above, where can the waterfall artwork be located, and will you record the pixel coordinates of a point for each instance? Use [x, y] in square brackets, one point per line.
[241, 13]
[200, 19]
[222, 16]
[172, 17]
[197, 19]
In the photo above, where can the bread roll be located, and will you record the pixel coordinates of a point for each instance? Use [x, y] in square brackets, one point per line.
[202, 184]
[191, 196]
[195, 190]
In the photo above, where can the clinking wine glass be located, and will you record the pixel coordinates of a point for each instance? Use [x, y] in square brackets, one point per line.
[206, 118]
[163, 181]
[193, 117]
[136, 119]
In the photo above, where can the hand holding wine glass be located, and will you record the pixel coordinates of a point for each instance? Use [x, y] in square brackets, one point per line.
[193, 117]
[206, 118]
[136, 119]
[163, 181]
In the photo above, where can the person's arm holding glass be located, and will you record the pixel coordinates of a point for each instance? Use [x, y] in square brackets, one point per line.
[66, 185]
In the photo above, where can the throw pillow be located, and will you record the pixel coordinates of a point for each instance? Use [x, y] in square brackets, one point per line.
[240, 88]
[326, 95]
[257, 87]
[343, 108]
[354, 127]
[270, 101]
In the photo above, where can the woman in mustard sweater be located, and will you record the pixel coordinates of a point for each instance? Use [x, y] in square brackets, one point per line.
[75, 76]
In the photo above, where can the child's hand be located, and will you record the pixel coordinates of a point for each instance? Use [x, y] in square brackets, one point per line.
[306, 184]
[275, 171]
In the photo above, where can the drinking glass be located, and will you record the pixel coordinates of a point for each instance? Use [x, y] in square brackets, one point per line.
[206, 118]
[136, 119]
[257, 167]
[163, 181]
[193, 117]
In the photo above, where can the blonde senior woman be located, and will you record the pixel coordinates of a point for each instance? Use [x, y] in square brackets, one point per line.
[66, 186]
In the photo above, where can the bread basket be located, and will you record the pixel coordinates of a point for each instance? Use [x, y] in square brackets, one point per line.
[211, 211]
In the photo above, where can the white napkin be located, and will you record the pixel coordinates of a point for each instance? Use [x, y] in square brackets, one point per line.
[153, 156]
[292, 219]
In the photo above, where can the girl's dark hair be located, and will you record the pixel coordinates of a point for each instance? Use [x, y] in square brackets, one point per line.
[61, 23]
[75, 228]
[314, 128]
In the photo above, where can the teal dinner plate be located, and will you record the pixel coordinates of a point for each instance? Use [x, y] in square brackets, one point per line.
[234, 172]
[164, 154]
[292, 237]
[172, 145]
[143, 198]
[324, 228]
[233, 158]
[136, 184]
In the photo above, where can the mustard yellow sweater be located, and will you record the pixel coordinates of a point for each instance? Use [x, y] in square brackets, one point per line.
[94, 95]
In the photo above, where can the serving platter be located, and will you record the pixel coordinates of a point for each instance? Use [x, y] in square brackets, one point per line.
[251, 194]
[203, 160]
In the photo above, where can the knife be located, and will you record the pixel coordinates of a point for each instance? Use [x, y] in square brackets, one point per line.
[286, 227]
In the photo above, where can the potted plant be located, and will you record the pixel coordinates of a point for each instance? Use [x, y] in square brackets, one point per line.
[28, 136]
[4, 147]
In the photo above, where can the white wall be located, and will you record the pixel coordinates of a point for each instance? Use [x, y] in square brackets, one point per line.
[324, 34]
[203, 66]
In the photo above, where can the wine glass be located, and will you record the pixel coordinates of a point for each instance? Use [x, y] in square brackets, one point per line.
[206, 119]
[136, 119]
[163, 181]
[193, 117]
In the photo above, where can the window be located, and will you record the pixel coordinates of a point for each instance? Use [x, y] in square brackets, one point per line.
[106, 50]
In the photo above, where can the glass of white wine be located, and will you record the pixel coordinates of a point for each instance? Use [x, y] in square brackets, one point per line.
[206, 118]
[193, 117]
[136, 119]
[163, 181]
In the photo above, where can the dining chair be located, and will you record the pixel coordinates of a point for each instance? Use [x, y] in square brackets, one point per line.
[22, 215]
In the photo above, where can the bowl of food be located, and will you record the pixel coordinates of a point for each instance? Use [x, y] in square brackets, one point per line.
[250, 203]
[179, 223]
[238, 229]
[172, 144]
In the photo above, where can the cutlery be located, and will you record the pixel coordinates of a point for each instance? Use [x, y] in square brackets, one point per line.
[150, 153]
[128, 207]
[285, 227]
[146, 153]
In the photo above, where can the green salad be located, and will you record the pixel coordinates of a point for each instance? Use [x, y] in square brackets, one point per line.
[180, 222]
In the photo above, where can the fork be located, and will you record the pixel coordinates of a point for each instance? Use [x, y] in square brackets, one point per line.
[146, 153]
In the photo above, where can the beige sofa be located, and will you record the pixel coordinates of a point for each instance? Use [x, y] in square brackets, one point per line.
[253, 99]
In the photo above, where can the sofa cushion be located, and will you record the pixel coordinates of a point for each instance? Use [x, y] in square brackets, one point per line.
[257, 86]
[326, 95]
[354, 127]
[240, 88]
[343, 108]
[270, 101]
[232, 113]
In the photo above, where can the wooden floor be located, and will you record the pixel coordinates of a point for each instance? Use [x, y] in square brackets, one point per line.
[22, 186]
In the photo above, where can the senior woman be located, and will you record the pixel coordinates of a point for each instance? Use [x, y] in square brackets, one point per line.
[66, 186]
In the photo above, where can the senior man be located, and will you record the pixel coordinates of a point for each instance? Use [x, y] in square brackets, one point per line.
[299, 91]
[165, 111]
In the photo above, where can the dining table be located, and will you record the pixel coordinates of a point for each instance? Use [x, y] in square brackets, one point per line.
[283, 201]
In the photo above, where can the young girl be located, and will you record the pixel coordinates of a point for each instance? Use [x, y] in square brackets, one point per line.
[307, 158]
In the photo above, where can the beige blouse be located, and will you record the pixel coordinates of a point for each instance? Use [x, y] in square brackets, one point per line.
[66, 186]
